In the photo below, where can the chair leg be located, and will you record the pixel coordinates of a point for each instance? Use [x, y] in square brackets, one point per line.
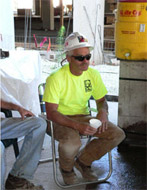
[16, 148]
[82, 183]
[47, 160]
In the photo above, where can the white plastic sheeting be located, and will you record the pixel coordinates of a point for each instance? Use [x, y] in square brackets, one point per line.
[6, 25]
[88, 19]
[20, 76]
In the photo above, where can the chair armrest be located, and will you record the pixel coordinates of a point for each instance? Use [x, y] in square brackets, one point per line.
[8, 113]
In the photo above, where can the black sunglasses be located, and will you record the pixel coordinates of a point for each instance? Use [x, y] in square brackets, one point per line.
[81, 57]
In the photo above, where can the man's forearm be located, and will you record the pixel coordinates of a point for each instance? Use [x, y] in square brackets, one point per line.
[63, 120]
[9, 105]
[102, 106]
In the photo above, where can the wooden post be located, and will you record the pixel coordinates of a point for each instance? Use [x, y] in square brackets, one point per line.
[45, 14]
[61, 13]
[51, 15]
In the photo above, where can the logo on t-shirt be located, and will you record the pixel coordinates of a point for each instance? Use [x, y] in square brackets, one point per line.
[88, 86]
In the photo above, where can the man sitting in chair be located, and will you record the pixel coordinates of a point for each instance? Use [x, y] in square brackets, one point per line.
[33, 128]
[66, 95]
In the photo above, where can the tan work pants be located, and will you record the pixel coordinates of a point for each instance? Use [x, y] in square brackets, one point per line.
[70, 143]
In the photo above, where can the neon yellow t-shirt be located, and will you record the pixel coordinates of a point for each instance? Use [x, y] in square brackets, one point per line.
[71, 92]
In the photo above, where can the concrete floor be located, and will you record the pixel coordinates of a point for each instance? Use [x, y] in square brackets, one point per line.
[129, 167]
[129, 170]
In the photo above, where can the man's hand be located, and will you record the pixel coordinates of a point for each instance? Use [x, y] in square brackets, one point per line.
[23, 112]
[103, 117]
[85, 129]
[11, 106]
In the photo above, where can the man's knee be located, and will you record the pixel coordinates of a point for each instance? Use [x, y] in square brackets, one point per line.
[120, 134]
[117, 132]
[70, 148]
[41, 123]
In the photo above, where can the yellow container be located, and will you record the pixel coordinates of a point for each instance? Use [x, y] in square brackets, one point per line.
[131, 31]
[132, 12]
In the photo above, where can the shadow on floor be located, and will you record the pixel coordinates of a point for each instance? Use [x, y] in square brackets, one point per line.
[129, 171]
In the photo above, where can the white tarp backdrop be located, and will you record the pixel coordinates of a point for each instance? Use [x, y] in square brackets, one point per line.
[88, 19]
[6, 25]
[20, 76]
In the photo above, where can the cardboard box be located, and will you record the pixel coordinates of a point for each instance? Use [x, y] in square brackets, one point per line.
[109, 31]
[110, 19]
[23, 11]
[113, 6]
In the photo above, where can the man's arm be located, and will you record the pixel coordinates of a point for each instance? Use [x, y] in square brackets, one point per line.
[102, 115]
[10, 106]
[55, 116]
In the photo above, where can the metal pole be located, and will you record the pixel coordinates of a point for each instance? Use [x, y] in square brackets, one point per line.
[25, 28]
[30, 29]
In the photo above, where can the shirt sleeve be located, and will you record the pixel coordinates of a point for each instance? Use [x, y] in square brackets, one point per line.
[52, 90]
[99, 89]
